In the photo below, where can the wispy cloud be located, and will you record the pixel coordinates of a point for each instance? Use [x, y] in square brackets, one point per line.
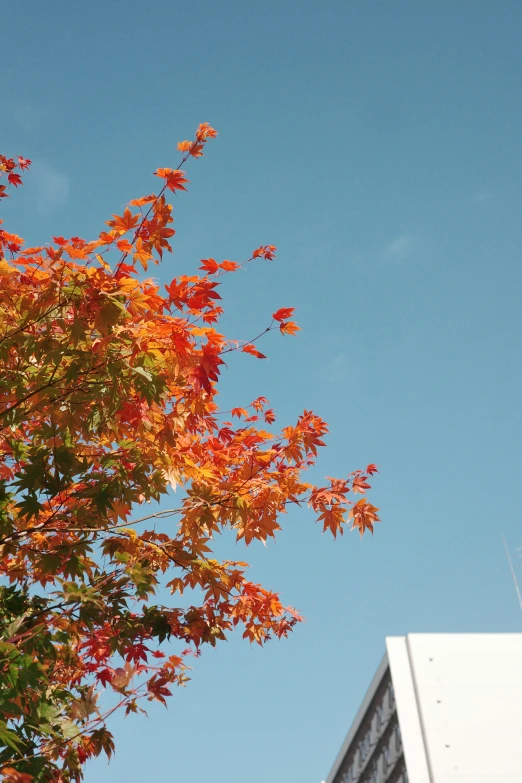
[484, 196]
[27, 116]
[343, 367]
[401, 247]
[51, 188]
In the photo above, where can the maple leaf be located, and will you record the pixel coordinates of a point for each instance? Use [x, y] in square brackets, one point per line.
[14, 179]
[122, 676]
[364, 516]
[142, 253]
[157, 689]
[124, 223]
[283, 313]
[86, 705]
[269, 416]
[371, 469]
[266, 251]
[105, 676]
[174, 178]
[289, 327]
[332, 518]
[196, 150]
[209, 265]
[229, 266]
[31, 251]
[239, 412]
[359, 484]
[205, 131]
[251, 349]
[139, 202]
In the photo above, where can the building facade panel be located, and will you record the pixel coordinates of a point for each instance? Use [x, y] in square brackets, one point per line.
[442, 708]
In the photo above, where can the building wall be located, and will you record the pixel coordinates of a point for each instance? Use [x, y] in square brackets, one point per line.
[467, 692]
[442, 708]
[372, 751]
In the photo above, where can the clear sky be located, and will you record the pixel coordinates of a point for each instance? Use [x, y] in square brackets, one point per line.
[377, 144]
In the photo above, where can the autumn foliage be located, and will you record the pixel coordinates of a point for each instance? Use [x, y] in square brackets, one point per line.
[108, 401]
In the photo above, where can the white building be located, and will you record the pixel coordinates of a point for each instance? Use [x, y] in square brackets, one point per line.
[442, 708]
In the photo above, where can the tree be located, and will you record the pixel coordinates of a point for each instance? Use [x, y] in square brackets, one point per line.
[107, 401]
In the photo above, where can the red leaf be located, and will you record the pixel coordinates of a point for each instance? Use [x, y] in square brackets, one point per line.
[209, 265]
[267, 251]
[283, 313]
[105, 676]
[14, 179]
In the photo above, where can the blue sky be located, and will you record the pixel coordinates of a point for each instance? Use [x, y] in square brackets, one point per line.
[377, 144]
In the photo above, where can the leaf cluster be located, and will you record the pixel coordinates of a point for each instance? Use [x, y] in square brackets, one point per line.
[108, 401]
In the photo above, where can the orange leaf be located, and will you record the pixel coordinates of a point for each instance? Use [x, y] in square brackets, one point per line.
[332, 519]
[360, 484]
[142, 253]
[139, 202]
[289, 327]
[31, 251]
[229, 266]
[205, 131]
[174, 178]
[253, 350]
[363, 516]
[124, 223]
[11, 775]
[259, 403]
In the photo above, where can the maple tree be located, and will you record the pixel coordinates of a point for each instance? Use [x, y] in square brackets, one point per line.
[108, 400]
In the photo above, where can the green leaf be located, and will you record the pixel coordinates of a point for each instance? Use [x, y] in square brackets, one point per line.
[9, 738]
